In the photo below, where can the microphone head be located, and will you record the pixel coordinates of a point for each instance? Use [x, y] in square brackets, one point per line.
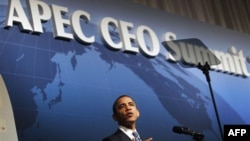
[177, 129]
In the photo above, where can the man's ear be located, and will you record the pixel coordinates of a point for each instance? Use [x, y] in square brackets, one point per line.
[138, 113]
[114, 117]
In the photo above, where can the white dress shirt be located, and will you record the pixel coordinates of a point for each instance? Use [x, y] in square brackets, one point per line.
[128, 132]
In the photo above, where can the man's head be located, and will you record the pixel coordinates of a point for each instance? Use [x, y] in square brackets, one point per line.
[125, 111]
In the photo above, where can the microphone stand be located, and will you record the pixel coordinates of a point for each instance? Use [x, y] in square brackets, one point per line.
[205, 69]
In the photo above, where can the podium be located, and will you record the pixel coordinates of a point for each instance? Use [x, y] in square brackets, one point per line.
[7, 121]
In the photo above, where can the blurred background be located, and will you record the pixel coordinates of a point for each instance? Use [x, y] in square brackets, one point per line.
[231, 14]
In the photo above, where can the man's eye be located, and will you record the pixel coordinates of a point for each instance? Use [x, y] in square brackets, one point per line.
[120, 106]
[132, 104]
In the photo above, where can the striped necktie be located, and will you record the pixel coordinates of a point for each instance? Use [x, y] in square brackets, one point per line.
[137, 137]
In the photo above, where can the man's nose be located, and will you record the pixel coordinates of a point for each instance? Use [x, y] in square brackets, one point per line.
[128, 107]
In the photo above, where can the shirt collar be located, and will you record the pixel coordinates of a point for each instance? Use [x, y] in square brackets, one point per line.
[127, 131]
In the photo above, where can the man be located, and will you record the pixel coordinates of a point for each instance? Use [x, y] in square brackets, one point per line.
[125, 113]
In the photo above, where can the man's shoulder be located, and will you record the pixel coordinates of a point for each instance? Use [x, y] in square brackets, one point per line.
[117, 136]
[112, 138]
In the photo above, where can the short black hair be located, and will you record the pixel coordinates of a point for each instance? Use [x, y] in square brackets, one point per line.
[115, 102]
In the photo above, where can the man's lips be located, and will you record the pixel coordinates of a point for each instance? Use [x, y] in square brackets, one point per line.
[129, 114]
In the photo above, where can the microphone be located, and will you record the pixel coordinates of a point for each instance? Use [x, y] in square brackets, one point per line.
[187, 131]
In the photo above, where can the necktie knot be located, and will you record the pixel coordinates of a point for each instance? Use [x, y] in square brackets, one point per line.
[136, 135]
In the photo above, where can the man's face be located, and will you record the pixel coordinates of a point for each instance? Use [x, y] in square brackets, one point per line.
[126, 111]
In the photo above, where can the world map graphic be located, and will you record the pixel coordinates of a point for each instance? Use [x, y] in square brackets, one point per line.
[62, 90]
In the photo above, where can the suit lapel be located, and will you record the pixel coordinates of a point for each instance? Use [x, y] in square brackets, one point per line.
[122, 136]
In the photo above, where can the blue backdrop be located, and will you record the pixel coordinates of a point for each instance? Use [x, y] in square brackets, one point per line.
[64, 90]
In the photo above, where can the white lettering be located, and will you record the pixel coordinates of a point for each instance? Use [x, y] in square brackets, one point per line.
[124, 39]
[60, 23]
[37, 16]
[119, 35]
[231, 132]
[237, 131]
[174, 54]
[75, 21]
[127, 37]
[16, 14]
[169, 36]
[155, 49]
[106, 35]
[233, 62]
[243, 131]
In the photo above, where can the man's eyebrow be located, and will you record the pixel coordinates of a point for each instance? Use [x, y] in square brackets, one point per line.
[132, 102]
[119, 105]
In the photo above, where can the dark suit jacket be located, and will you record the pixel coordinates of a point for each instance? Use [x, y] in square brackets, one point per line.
[117, 136]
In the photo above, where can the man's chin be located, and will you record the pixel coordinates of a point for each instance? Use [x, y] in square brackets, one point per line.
[130, 120]
[128, 124]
